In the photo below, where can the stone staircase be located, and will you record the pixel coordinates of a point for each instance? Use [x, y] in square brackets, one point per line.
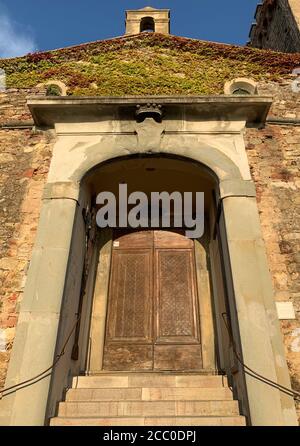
[153, 399]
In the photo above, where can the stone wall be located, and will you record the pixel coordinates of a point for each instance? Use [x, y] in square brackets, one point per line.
[274, 157]
[278, 26]
[24, 161]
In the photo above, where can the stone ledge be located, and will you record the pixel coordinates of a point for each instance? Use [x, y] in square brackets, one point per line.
[47, 112]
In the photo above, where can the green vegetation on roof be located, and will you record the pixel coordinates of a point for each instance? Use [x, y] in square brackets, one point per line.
[147, 64]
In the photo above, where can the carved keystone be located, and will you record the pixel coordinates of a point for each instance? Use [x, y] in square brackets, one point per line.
[149, 111]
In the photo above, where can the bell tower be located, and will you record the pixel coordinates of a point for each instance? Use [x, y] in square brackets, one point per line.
[148, 19]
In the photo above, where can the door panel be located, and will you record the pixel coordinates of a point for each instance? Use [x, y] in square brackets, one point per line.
[171, 240]
[130, 310]
[177, 357]
[176, 314]
[128, 357]
[152, 320]
[123, 238]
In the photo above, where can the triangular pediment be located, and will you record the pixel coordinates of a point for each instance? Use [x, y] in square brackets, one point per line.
[148, 8]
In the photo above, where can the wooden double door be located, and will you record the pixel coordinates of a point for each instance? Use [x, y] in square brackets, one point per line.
[153, 318]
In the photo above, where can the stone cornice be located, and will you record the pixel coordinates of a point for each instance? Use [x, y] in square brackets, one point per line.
[46, 112]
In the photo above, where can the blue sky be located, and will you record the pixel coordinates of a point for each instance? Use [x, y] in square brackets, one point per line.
[36, 25]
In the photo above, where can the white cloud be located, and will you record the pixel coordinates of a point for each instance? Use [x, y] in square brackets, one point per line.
[14, 41]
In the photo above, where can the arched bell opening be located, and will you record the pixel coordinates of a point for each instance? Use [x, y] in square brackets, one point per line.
[147, 25]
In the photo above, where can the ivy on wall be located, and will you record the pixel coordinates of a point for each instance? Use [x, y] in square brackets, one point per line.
[148, 63]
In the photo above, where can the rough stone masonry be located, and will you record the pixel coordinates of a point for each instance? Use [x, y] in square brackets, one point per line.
[273, 154]
[24, 159]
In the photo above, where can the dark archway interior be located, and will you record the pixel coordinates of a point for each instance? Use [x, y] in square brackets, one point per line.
[152, 174]
[147, 25]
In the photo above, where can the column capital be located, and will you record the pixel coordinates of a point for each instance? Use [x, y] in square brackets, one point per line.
[237, 188]
[61, 190]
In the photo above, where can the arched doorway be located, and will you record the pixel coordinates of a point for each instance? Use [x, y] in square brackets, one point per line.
[152, 304]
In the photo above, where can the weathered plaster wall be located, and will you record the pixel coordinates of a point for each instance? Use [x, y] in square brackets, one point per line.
[274, 157]
[24, 161]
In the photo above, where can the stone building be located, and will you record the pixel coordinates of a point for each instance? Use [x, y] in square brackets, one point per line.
[277, 26]
[150, 327]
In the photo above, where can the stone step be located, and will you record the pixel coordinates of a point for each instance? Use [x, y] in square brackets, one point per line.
[148, 409]
[148, 380]
[150, 421]
[150, 394]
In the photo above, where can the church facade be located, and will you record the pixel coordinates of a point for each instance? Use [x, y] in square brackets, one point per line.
[146, 326]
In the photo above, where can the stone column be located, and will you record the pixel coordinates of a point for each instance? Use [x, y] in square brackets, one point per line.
[37, 330]
[98, 319]
[205, 306]
[261, 342]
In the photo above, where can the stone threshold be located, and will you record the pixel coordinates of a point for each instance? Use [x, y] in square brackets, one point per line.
[204, 372]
